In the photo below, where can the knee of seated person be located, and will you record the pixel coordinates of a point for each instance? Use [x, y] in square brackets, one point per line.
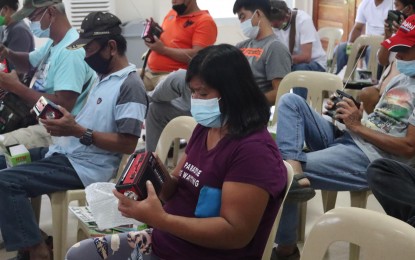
[289, 99]
[373, 170]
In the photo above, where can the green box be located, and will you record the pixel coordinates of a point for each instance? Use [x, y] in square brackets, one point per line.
[16, 155]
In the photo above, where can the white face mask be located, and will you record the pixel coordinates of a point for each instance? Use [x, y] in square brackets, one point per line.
[248, 29]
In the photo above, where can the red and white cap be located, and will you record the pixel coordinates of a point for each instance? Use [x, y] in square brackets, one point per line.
[404, 37]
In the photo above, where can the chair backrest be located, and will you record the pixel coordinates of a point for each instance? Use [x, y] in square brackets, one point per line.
[317, 84]
[364, 40]
[333, 35]
[380, 236]
[180, 127]
[271, 238]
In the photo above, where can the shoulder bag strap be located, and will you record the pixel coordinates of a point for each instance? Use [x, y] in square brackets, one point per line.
[292, 31]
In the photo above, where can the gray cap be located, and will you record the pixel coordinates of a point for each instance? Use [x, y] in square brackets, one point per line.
[29, 6]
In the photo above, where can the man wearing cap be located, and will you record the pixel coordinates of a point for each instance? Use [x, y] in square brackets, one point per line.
[62, 76]
[339, 158]
[187, 29]
[16, 34]
[87, 148]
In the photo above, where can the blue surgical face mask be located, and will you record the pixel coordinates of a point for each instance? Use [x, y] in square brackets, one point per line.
[406, 67]
[248, 29]
[206, 112]
[36, 29]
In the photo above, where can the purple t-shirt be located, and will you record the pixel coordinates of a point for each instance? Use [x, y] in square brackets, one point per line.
[254, 159]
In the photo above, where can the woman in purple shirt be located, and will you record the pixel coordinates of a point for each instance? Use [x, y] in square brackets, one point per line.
[224, 194]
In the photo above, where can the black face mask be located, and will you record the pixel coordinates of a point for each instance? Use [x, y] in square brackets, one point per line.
[180, 9]
[98, 63]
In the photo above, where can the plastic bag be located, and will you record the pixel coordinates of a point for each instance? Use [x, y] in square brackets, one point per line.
[104, 206]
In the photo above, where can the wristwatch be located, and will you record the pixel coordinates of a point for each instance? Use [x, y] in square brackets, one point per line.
[86, 138]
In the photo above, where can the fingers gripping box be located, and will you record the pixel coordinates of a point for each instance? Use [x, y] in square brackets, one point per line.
[46, 109]
[140, 168]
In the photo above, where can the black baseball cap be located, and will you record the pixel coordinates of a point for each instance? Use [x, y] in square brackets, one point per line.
[96, 25]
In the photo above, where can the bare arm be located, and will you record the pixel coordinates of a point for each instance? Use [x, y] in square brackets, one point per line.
[241, 211]
[272, 94]
[11, 83]
[305, 55]
[20, 60]
[400, 146]
[356, 32]
[67, 126]
[181, 55]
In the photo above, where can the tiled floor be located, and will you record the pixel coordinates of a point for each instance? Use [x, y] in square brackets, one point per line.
[338, 251]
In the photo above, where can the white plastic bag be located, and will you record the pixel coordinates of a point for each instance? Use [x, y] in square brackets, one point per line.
[104, 206]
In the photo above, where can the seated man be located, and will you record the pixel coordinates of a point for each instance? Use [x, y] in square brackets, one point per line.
[170, 99]
[269, 59]
[295, 29]
[338, 159]
[393, 184]
[369, 20]
[16, 34]
[87, 148]
[62, 75]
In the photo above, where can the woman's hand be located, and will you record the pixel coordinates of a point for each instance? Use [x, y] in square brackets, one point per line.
[149, 211]
[349, 113]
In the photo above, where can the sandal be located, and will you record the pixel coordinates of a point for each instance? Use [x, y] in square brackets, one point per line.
[294, 256]
[299, 193]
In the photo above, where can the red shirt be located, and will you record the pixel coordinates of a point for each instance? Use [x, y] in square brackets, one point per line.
[183, 32]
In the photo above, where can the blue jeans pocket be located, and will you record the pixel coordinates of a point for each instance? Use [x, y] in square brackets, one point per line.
[209, 202]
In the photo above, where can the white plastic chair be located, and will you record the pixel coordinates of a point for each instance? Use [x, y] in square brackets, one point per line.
[272, 234]
[364, 40]
[333, 35]
[379, 235]
[178, 128]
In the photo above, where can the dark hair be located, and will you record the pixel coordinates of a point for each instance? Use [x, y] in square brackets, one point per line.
[13, 4]
[118, 38]
[253, 5]
[224, 68]
[408, 2]
[279, 10]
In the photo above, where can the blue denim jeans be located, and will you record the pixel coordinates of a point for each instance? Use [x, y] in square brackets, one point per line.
[334, 163]
[312, 66]
[44, 175]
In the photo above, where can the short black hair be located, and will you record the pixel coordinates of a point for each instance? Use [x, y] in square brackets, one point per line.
[253, 5]
[118, 38]
[244, 108]
[279, 10]
[13, 4]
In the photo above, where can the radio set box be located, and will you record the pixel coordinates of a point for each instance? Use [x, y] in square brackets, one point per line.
[140, 168]
[46, 109]
[151, 29]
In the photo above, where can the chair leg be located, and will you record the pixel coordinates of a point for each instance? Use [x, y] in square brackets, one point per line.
[36, 205]
[302, 209]
[59, 223]
[357, 199]
[329, 199]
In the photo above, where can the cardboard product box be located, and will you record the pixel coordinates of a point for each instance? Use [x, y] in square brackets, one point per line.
[16, 155]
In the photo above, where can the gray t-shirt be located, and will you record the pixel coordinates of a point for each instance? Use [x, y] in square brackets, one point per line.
[392, 116]
[269, 59]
